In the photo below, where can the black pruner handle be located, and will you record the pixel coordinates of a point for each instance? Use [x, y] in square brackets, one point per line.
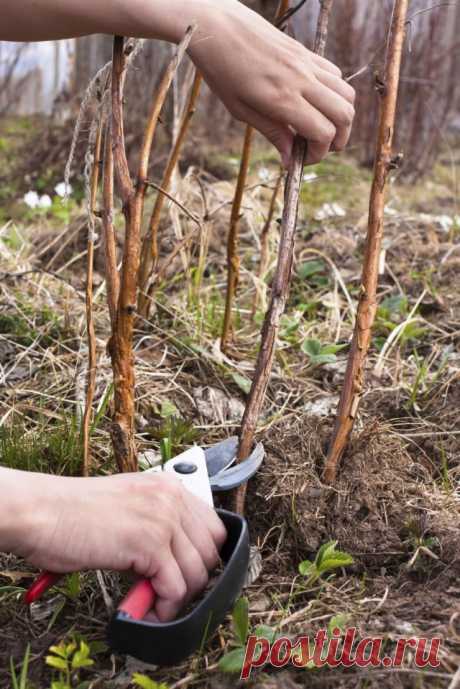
[172, 642]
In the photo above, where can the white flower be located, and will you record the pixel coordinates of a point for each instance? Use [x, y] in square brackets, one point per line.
[330, 210]
[62, 189]
[264, 174]
[31, 199]
[445, 221]
[309, 176]
[45, 201]
[338, 210]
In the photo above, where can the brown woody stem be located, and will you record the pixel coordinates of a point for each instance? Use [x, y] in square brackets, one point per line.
[353, 383]
[281, 282]
[120, 345]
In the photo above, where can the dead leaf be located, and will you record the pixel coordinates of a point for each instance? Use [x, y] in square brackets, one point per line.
[15, 575]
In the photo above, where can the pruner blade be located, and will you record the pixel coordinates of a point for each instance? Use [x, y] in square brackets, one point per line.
[219, 457]
[240, 473]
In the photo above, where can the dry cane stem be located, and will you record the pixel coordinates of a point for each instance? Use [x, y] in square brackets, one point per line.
[91, 382]
[150, 248]
[281, 282]
[233, 261]
[112, 277]
[121, 342]
[353, 383]
[265, 236]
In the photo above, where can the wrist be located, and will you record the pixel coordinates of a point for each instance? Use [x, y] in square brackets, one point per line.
[165, 20]
[19, 510]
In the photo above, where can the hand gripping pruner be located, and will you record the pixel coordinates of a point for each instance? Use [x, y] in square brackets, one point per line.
[202, 472]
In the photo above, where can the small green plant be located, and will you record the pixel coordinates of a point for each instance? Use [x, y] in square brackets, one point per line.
[425, 378]
[327, 560]
[232, 662]
[22, 681]
[47, 448]
[173, 434]
[315, 273]
[69, 659]
[391, 313]
[321, 354]
[421, 544]
[145, 682]
[27, 325]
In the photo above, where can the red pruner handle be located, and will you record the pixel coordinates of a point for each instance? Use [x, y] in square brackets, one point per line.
[41, 584]
[139, 600]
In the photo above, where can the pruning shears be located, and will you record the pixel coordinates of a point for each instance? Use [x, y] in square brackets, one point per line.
[202, 472]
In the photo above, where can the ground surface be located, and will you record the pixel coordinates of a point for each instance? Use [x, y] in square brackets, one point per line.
[396, 506]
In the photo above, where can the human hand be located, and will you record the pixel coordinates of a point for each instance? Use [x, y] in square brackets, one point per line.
[271, 81]
[146, 523]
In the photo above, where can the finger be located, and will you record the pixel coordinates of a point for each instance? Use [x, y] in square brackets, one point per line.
[197, 531]
[313, 126]
[207, 517]
[170, 587]
[190, 563]
[337, 109]
[336, 84]
[341, 140]
[277, 133]
[316, 152]
[197, 528]
[325, 64]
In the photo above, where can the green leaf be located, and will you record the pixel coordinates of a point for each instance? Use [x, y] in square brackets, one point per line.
[81, 657]
[306, 568]
[25, 669]
[323, 359]
[58, 650]
[97, 646]
[311, 347]
[165, 449]
[240, 616]
[168, 409]
[145, 682]
[73, 585]
[333, 348]
[339, 621]
[58, 663]
[263, 630]
[310, 268]
[243, 383]
[59, 685]
[326, 548]
[232, 662]
[78, 662]
[338, 559]
[329, 558]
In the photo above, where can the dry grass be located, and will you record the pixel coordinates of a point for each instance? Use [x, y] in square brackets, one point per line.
[401, 475]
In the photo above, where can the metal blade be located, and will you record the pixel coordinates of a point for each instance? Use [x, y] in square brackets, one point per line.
[235, 476]
[219, 457]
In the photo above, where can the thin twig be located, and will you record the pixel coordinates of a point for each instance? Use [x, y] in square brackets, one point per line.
[112, 276]
[149, 247]
[233, 260]
[91, 335]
